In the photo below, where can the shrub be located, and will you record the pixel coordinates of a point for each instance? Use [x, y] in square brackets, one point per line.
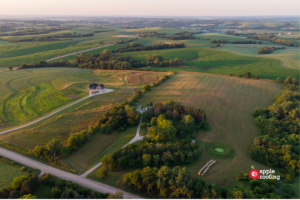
[15, 194]
[121, 129]
[28, 196]
[147, 87]
[143, 124]
[17, 182]
[24, 169]
[240, 75]
[55, 193]
[102, 173]
[248, 75]
[230, 74]
[292, 86]
[256, 77]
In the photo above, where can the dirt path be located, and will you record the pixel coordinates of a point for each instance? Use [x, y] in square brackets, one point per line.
[77, 52]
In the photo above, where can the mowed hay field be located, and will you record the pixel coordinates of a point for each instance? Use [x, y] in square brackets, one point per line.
[229, 103]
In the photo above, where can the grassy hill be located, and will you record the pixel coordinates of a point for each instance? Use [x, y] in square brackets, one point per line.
[220, 62]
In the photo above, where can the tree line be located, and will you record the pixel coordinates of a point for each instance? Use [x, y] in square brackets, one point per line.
[51, 38]
[135, 46]
[178, 36]
[177, 182]
[223, 41]
[267, 49]
[35, 32]
[271, 37]
[278, 145]
[152, 155]
[118, 118]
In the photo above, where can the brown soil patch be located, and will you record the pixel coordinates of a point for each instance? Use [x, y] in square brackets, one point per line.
[95, 92]
[71, 96]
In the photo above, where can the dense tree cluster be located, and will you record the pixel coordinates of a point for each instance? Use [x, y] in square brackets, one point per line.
[118, 118]
[107, 60]
[152, 155]
[278, 145]
[158, 61]
[267, 49]
[178, 36]
[51, 38]
[135, 46]
[271, 37]
[23, 187]
[177, 182]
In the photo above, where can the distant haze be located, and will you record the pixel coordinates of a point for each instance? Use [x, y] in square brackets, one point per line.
[150, 7]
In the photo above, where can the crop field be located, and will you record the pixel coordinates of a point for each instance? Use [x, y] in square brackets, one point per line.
[220, 62]
[229, 103]
[24, 48]
[288, 57]
[8, 173]
[182, 54]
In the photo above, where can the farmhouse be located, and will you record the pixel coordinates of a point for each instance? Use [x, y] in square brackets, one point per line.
[95, 86]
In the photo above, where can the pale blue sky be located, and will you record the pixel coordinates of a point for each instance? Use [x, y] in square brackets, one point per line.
[150, 7]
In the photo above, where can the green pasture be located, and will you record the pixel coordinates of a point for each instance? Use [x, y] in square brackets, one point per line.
[8, 173]
[220, 62]
[19, 49]
[288, 57]
[183, 54]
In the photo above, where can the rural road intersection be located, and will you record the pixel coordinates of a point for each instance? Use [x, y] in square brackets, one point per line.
[79, 179]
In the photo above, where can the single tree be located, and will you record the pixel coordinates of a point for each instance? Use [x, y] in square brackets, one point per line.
[10, 68]
[53, 146]
[102, 173]
[147, 87]
[248, 75]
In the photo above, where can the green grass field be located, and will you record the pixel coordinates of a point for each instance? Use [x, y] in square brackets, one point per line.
[8, 173]
[220, 62]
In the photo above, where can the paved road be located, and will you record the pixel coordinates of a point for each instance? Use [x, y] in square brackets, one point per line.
[136, 138]
[99, 187]
[40, 119]
[77, 52]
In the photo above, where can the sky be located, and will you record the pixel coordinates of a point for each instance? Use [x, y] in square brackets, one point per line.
[150, 7]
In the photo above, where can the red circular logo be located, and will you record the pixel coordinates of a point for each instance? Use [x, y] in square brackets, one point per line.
[254, 174]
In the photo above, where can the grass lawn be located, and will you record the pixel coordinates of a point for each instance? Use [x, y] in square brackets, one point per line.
[229, 103]
[8, 173]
